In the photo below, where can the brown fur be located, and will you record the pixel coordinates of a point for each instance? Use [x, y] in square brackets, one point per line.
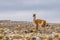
[39, 21]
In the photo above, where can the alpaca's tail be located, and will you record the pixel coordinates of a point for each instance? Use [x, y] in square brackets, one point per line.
[47, 24]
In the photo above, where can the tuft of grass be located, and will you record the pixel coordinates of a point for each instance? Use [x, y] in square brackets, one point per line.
[1, 36]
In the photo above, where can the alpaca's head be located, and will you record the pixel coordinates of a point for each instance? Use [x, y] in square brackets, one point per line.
[34, 15]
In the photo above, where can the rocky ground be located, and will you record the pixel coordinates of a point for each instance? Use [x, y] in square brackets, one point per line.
[19, 30]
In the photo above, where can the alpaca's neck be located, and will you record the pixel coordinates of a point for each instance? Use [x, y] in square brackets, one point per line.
[34, 18]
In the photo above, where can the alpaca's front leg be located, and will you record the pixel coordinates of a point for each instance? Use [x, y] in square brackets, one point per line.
[37, 27]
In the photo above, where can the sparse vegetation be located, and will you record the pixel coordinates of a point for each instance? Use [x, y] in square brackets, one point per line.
[26, 30]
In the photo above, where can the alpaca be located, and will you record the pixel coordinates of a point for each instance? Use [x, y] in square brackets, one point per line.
[38, 22]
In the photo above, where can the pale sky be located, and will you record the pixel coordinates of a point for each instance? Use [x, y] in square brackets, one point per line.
[22, 10]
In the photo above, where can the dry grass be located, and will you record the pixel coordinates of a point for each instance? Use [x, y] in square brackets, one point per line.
[27, 31]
